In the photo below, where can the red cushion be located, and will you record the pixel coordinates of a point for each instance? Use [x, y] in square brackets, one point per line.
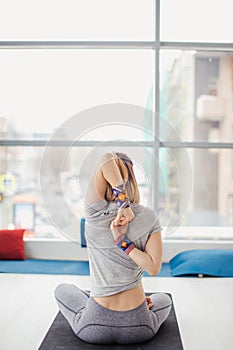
[12, 244]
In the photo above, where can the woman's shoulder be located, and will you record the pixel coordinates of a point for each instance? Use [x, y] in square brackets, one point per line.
[145, 216]
[139, 208]
[96, 208]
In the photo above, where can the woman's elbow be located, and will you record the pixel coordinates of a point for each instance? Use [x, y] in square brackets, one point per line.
[155, 270]
[107, 156]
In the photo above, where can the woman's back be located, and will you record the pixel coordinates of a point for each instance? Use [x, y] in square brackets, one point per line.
[116, 278]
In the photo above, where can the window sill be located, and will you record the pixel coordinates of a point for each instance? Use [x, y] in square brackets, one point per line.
[184, 238]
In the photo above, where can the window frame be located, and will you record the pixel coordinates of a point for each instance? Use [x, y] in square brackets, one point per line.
[157, 45]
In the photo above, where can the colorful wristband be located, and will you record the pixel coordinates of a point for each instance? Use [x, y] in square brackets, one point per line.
[121, 197]
[125, 244]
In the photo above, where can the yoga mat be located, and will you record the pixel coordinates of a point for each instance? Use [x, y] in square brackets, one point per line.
[60, 336]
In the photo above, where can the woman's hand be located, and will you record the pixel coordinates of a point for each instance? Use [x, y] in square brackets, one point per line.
[124, 216]
[149, 302]
[118, 230]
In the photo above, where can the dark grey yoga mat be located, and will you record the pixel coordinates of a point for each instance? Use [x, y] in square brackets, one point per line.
[60, 336]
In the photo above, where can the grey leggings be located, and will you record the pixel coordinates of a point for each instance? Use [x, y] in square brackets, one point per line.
[94, 323]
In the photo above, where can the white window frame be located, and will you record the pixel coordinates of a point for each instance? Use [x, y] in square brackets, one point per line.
[64, 249]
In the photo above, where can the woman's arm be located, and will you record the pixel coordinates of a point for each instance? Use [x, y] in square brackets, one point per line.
[150, 260]
[106, 172]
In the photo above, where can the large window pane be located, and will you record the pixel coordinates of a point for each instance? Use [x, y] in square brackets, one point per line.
[40, 89]
[196, 20]
[212, 187]
[23, 186]
[202, 197]
[76, 20]
[196, 95]
[20, 191]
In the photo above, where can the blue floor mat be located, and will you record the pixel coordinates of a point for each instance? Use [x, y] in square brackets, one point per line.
[58, 267]
[53, 267]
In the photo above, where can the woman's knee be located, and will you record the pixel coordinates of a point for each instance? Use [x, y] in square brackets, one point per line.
[70, 296]
[162, 304]
[161, 299]
[61, 290]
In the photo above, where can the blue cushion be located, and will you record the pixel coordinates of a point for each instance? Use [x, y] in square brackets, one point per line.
[210, 262]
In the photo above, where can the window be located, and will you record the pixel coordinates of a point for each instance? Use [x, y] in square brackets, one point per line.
[40, 89]
[77, 20]
[132, 79]
[196, 20]
[196, 95]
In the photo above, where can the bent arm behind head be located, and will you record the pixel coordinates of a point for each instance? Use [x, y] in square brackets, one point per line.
[106, 172]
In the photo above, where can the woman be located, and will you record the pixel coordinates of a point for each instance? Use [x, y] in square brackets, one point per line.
[123, 240]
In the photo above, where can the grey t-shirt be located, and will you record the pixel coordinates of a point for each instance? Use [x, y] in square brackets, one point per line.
[112, 270]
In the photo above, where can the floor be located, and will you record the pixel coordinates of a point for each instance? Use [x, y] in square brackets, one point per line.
[204, 308]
